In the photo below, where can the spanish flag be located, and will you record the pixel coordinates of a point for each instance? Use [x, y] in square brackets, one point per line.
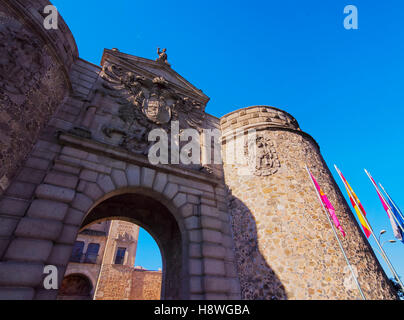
[360, 211]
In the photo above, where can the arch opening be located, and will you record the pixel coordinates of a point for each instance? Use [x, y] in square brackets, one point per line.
[133, 210]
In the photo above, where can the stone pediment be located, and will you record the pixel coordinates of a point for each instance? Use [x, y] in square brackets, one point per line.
[152, 69]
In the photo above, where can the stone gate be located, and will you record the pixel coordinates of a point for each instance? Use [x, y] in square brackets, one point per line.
[74, 150]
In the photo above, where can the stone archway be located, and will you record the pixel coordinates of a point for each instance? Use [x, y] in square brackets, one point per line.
[142, 208]
[76, 286]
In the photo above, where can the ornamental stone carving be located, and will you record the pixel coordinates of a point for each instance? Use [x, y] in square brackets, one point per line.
[146, 104]
[261, 155]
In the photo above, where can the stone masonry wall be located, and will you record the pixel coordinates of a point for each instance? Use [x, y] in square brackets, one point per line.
[33, 79]
[146, 285]
[285, 248]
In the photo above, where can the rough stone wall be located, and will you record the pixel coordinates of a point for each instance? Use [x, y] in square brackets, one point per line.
[33, 79]
[114, 283]
[285, 248]
[146, 285]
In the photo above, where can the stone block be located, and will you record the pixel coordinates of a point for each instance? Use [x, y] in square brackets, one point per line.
[211, 223]
[13, 207]
[216, 284]
[39, 229]
[7, 226]
[195, 267]
[214, 267]
[147, 177]
[45, 294]
[29, 250]
[192, 223]
[195, 285]
[31, 175]
[60, 255]
[93, 191]
[213, 251]
[211, 236]
[18, 274]
[68, 234]
[89, 175]
[13, 293]
[50, 192]
[37, 163]
[74, 217]
[105, 183]
[61, 179]
[170, 190]
[133, 175]
[82, 202]
[47, 209]
[119, 178]
[180, 199]
[195, 235]
[187, 210]
[160, 182]
[209, 211]
[195, 250]
[21, 190]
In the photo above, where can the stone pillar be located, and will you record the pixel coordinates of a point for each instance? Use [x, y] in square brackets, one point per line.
[285, 248]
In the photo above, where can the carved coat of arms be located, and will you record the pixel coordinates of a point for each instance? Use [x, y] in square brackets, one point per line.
[147, 104]
[261, 155]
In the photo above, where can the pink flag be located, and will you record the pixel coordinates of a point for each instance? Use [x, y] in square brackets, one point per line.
[328, 205]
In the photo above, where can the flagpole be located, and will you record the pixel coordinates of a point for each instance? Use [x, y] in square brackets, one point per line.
[373, 234]
[388, 205]
[336, 236]
[392, 202]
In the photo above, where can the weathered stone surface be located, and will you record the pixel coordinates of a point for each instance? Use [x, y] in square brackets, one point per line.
[61, 180]
[82, 202]
[147, 177]
[16, 274]
[160, 182]
[74, 217]
[7, 226]
[50, 192]
[39, 229]
[47, 209]
[13, 293]
[105, 183]
[21, 190]
[22, 249]
[12, 206]
[119, 178]
[170, 190]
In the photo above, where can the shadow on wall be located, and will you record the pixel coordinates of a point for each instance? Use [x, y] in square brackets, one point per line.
[257, 280]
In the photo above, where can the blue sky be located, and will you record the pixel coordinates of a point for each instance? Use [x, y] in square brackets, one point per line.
[345, 87]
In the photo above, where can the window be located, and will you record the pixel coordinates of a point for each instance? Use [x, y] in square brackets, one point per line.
[77, 251]
[92, 253]
[120, 255]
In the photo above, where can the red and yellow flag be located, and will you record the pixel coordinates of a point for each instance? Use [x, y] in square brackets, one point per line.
[359, 209]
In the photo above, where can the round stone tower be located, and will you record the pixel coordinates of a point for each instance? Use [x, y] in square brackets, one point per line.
[284, 245]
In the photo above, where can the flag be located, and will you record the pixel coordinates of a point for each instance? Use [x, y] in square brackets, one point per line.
[328, 205]
[360, 211]
[388, 208]
[398, 217]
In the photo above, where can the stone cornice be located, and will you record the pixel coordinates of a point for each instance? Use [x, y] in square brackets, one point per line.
[122, 155]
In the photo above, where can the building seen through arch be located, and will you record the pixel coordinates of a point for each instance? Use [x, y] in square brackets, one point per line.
[102, 265]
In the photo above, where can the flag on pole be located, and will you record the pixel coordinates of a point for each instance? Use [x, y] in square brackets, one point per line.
[389, 210]
[397, 214]
[360, 211]
[327, 205]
